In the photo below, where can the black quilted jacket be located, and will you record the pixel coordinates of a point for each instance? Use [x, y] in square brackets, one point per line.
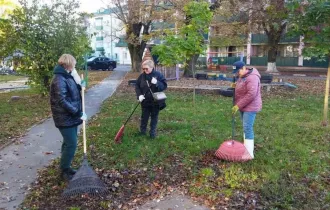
[65, 99]
[141, 88]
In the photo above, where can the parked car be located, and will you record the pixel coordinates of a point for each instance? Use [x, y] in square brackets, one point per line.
[104, 63]
[6, 70]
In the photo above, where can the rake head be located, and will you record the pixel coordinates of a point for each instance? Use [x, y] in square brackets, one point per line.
[234, 151]
[119, 134]
[85, 181]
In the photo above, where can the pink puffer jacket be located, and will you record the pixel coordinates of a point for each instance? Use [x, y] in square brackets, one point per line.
[248, 92]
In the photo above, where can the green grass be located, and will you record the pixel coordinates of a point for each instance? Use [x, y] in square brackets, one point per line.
[31, 108]
[291, 165]
[19, 115]
[7, 78]
[291, 143]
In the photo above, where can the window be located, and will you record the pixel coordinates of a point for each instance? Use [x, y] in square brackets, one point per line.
[125, 55]
[291, 51]
[91, 59]
[98, 22]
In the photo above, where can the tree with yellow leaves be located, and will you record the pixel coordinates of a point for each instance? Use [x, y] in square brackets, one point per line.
[6, 6]
[7, 34]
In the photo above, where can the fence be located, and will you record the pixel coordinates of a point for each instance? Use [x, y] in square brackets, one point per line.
[217, 63]
[314, 62]
[170, 73]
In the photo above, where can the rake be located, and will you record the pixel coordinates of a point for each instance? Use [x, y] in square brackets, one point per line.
[232, 150]
[85, 181]
[120, 133]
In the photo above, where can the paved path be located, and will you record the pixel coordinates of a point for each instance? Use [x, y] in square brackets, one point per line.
[173, 201]
[10, 85]
[19, 163]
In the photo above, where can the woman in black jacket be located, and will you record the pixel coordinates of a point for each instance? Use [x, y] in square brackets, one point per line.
[150, 108]
[66, 106]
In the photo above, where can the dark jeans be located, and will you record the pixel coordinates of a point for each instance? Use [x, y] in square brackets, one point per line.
[69, 146]
[148, 111]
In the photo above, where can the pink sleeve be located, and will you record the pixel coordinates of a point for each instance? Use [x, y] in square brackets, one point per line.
[252, 85]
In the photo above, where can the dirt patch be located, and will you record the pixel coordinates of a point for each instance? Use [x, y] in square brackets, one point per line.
[305, 86]
[128, 188]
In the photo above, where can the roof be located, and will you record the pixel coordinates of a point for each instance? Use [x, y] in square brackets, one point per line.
[106, 11]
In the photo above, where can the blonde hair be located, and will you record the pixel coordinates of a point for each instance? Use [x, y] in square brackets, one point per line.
[67, 61]
[149, 63]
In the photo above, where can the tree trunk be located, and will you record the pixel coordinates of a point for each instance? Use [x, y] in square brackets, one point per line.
[326, 98]
[271, 62]
[46, 82]
[193, 73]
[136, 50]
[274, 37]
[190, 68]
[136, 57]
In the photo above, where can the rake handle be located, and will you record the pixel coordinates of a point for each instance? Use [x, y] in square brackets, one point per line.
[84, 122]
[131, 114]
[137, 105]
[233, 116]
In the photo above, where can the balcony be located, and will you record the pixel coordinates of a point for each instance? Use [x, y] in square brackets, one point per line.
[99, 49]
[224, 41]
[263, 39]
[287, 39]
[99, 28]
[121, 43]
[259, 39]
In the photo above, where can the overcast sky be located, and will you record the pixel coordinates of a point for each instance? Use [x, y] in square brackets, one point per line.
[90, 6]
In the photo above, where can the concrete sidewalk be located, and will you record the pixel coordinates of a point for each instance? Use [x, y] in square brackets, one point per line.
[11, 85]
[19, 163]
[174, 201]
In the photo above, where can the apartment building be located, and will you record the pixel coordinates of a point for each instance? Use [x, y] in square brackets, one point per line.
[107, 36]
[254, 51]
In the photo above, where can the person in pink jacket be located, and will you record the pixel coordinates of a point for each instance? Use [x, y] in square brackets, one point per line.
[247, 100]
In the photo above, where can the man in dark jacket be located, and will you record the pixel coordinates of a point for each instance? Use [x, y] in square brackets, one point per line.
[150, 81]
[66, 106]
